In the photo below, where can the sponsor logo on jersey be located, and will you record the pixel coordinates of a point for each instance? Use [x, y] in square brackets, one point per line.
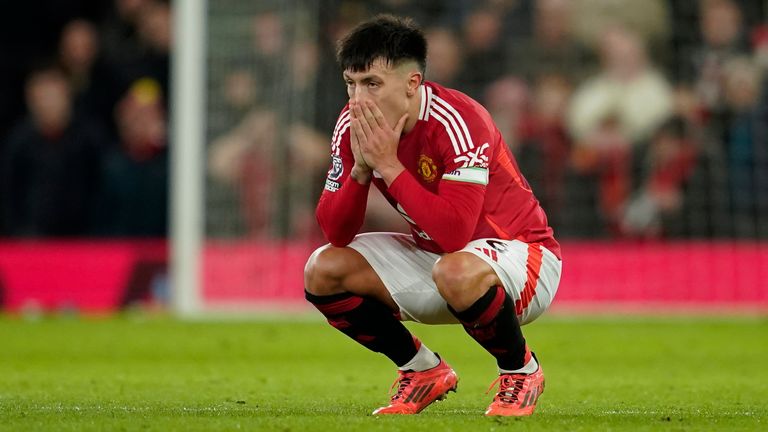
[337, 168]
[427, 168]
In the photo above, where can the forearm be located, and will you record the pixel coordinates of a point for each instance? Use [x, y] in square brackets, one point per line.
[449, 217]
[340, 214]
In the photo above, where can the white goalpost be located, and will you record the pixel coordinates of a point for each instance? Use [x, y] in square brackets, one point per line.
[188, 126]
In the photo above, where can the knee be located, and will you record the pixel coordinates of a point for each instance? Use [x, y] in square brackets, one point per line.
[325, 271]
[462, 278]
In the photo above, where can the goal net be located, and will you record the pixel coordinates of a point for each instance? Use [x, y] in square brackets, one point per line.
[641, 127]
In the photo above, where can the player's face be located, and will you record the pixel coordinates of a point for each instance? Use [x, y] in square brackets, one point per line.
[391, 88]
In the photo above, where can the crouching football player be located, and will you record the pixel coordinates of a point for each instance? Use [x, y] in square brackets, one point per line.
[480, 253]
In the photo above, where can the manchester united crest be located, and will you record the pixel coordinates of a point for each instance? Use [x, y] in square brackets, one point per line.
[427, 168]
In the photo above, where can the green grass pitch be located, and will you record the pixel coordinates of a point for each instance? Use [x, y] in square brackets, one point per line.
[140, 373]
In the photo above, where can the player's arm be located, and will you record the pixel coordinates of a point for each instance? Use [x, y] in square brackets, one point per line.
[341, 209]
[448, 217]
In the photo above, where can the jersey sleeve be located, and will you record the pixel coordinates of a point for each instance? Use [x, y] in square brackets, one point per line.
[450, 216]
[466, 145]
[341, 209]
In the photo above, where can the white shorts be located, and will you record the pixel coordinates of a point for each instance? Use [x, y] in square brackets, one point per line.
[530, 274]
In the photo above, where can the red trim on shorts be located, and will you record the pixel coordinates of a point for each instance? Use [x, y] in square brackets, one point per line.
[340, 307]
[532, 266]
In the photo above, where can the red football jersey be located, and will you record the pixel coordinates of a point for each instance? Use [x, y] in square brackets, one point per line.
[460, 183]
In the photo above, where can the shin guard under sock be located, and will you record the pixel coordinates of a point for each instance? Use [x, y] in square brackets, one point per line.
[370, 323]
[493, 323]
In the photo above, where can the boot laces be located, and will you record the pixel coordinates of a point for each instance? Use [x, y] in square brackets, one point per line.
[401, 382]
[509, 388]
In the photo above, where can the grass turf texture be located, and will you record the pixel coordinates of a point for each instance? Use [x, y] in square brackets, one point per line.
[137, 373]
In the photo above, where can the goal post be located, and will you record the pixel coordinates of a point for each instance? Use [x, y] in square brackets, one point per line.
[188, 126]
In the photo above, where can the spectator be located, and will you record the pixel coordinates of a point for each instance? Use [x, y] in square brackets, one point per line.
[91, 79]
[303, 67]
[609, 115]
[154, 30]
[269, 59]
[551, 49]
[244, 159]
[722, 39]
[240, 91]
[627, 88]
[78, 49]
[137, 41]
[50, 164]
[483, 51]
[664, 168]
[647, 19]
[545, 145]
[119, 32]
[134, 194]
[507, 100]
[729, 189]
[445, 55]
[746, 147]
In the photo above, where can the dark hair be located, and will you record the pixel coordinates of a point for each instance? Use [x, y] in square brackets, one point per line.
[391, 38]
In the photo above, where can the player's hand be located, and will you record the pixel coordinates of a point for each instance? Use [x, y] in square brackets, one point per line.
[377, 140]
[361, 172]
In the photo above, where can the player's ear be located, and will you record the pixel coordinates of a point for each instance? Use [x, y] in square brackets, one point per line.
[415, 79]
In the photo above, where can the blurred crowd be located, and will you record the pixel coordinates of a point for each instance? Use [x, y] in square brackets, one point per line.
[629, 118]
[83, 118]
